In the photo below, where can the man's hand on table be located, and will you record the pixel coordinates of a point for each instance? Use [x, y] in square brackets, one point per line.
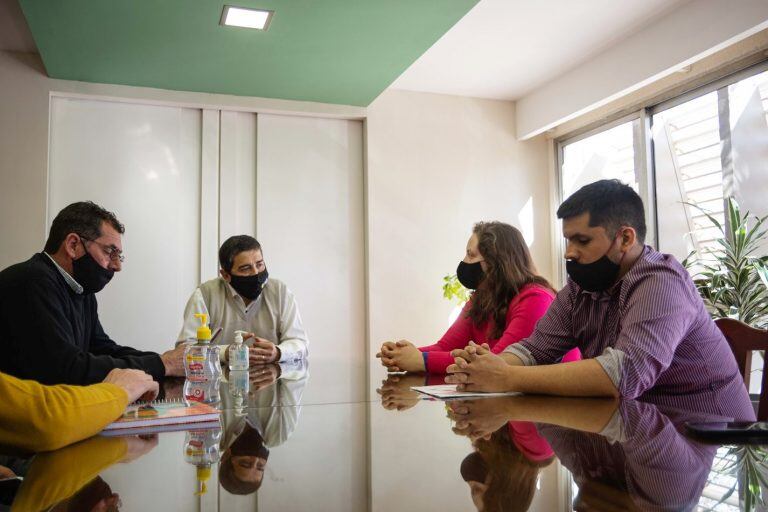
[262, 351]
[136, 383]
[174, 361]
[477, 369]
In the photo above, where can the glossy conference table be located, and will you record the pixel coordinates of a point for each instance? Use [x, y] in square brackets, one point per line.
[320, 440]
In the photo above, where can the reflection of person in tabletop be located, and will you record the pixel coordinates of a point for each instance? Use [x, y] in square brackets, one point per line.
[241, 469]
[639, 460]
[271, 417]
[623, 455]
[68, 479]
[503, 469]
[396, 393]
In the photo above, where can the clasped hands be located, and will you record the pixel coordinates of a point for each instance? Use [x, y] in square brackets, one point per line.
[477, 369]
[401, 356]
[262, 351]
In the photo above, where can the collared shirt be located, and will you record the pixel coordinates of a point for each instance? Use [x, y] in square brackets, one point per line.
[650, 332]
[274, 316]
[76, 287]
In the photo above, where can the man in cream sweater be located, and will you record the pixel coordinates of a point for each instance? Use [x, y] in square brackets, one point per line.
[245, 298]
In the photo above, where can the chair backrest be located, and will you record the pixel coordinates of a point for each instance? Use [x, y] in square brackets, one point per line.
[743, 340]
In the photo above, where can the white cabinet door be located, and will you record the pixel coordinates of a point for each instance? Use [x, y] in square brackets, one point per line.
[310, 222]
[143, 163]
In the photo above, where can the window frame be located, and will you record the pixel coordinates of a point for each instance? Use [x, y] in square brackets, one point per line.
[645, 165]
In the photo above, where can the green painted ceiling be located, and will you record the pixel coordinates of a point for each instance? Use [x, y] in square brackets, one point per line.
[332, 51]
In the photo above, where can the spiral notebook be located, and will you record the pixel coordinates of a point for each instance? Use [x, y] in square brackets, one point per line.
[161, 412]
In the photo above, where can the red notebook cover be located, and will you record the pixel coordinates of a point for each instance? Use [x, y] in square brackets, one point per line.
[164, 413]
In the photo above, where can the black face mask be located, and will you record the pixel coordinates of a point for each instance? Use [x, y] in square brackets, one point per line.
[89, 274]
[250, 443]
[470, 274]
[596, 276]
[250, 286]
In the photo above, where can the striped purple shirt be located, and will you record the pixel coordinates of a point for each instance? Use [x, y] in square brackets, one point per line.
[652, 335]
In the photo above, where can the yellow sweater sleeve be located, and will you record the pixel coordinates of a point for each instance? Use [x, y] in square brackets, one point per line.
[37, 418]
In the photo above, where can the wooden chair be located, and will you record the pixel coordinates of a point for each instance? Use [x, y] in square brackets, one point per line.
[743, 339]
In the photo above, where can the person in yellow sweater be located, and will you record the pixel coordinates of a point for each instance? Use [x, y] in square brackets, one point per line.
[39, 418]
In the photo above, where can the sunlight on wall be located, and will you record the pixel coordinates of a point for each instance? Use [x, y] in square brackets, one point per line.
[525, 221]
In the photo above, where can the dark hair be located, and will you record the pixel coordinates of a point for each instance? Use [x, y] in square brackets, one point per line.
[83, 218]
[511, 475]
[610, 203]
[509, 267]
[233, 246]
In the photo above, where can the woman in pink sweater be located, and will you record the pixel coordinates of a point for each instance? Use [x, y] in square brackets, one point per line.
[508, 300]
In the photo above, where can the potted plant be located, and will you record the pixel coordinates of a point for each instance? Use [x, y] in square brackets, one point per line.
[733, 279]
[454, 291]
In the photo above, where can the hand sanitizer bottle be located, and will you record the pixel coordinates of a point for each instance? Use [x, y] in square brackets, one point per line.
[201, 366]
[196, 354]
[238, 353]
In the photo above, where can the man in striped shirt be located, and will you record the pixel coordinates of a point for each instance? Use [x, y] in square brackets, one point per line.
[634, 313]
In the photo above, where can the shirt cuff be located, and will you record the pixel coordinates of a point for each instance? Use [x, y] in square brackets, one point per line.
[291, 350]
[522, 353]
[614, 431]
[612, 361]
[293, 370]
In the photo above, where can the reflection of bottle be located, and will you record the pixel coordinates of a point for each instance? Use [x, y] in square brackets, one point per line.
[201, 449]
[239, 384]
[238, 353]
[206, 392]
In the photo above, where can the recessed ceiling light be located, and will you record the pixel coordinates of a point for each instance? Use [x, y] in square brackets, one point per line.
[248, 18]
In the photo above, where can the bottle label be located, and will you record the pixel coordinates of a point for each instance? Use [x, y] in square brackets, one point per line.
[195, 394]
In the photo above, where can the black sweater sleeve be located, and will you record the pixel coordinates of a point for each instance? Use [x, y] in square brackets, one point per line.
[41, 340]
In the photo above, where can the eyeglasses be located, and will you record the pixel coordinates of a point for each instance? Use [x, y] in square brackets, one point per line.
[112, 252]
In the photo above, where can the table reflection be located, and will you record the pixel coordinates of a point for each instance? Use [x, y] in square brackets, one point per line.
[504, 467]
[493, 454]
[260, 410]
[68, 479]
[622, 455]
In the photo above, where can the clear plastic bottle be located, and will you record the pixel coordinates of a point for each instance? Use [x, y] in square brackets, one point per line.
[238, 353]
[196, 355]
[202, 367]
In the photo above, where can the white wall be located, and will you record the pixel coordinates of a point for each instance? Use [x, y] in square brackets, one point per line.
[436, 165]
[24, 116]
[695, 30]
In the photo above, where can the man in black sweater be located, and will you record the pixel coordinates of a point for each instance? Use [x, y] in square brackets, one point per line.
[48, 312]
